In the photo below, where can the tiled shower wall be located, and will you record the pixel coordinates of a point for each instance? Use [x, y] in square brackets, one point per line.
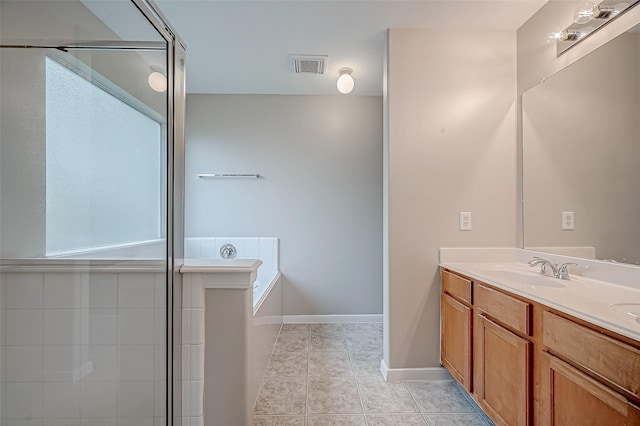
[83, 349]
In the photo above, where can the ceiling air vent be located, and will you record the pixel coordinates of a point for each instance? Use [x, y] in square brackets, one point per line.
[313, 64]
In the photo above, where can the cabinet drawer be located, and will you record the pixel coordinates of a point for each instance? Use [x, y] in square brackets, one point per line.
[458, 287]
[508, 310]
[610, 359]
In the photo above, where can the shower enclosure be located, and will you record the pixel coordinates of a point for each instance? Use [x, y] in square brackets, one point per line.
[91, 224]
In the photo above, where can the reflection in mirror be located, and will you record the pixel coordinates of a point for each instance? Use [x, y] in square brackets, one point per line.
[581, 155]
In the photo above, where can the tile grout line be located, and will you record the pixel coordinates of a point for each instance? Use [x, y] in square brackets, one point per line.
[416, 402]
[364, 416]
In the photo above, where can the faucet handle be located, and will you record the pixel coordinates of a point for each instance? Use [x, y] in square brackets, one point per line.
[563, 272]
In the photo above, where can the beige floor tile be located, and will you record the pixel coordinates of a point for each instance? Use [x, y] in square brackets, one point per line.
[396, 420]
[294, 328]
[455, 420]
[363, 328]
[379, 396]
[364, 342]
[329, 375]
[282, 395]
[329, 364]
[327, 343]
[366, 363]
[439, 397]
[285, 364]
[319, 420]
[292, 342]
[278, 421]
[326, 329]
[333, 395]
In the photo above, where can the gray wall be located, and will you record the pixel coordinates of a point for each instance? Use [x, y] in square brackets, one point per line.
[451, 147]
[321, 158]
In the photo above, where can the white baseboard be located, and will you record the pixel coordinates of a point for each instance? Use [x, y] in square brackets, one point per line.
[404, 374]
[330, 319]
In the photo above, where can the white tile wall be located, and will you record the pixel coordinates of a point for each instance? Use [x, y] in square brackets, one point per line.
[98, 399]
[23, 400]
[24, 291]
[60, 362]
[266, 249]
[23, 364]
[83, 349]
[192, 349]
[61, 400]
[24, 327]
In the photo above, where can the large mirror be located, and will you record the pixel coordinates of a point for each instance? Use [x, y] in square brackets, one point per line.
[581, 156]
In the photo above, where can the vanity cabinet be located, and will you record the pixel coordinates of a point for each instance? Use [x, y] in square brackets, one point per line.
[456, 326]
[525, 363]
[502, 354]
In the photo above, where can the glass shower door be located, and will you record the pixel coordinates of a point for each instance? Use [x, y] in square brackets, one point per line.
[85, 235]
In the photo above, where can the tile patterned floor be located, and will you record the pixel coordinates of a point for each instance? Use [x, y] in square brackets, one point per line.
[329, 375]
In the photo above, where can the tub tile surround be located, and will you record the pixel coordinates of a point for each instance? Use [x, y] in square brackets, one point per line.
[82, 348]
[345, 387]
[596, 285]
[265, 249]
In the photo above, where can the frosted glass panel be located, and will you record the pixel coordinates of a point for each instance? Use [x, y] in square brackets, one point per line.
[103, 177]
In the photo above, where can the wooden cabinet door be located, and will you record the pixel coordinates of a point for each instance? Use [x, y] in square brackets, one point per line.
[503, 381]
[455, 336]
[577, 399]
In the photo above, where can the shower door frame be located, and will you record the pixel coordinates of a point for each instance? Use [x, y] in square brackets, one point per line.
[175, 195]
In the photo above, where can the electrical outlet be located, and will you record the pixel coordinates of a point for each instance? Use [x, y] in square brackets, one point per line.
[465, 221]
[567, 221]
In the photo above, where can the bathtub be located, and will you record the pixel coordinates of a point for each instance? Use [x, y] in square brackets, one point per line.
[265, 249]
[264, 320]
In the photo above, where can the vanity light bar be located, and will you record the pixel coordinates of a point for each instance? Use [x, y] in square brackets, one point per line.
[587, 20]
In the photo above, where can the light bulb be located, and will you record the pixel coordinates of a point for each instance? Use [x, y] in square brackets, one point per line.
[556, 35]
[565, 35]
[345, 82]
[157, 81]
[585, 13]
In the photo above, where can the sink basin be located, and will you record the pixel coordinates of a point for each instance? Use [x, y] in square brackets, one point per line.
[630, 309]
[525, 278]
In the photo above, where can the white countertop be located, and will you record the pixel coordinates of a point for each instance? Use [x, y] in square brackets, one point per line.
[609, 305]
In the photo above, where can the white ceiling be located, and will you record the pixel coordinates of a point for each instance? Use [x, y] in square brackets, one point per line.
[243, 46]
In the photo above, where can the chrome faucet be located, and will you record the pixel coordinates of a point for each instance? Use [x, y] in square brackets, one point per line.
[561, 272]
[543, 265]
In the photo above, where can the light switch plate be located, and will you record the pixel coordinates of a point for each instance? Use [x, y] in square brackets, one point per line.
[567, 221]
[465, 221]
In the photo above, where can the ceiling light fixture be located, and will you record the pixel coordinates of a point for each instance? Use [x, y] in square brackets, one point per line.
[157, 80]
[345, 82]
